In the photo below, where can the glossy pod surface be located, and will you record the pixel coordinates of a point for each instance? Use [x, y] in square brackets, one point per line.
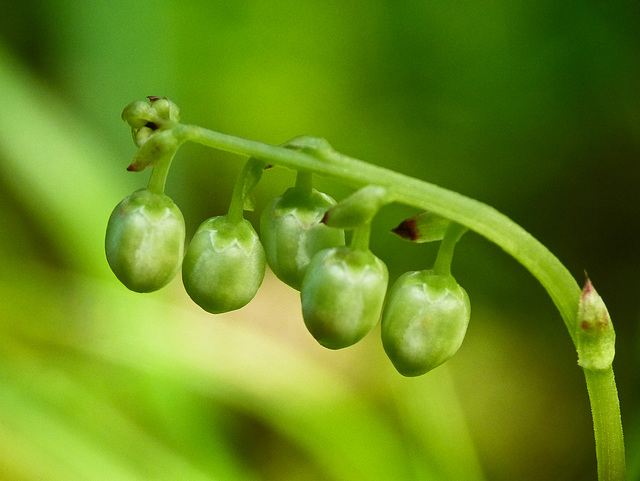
[424, 321]
[144, 242]
[342, 295]
[292, 233]
[224, 265]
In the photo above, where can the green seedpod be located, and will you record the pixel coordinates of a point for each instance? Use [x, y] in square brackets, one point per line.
[424, 321]
[224, 265]
[342, 295]
[292, 233]
[144, 242]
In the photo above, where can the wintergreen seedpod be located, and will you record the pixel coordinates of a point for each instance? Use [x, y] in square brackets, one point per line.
[424, 321]
[145, 241]
[342, 295]
[292, 233]
[224, 265]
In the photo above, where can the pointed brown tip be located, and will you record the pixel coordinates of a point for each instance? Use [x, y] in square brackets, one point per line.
[325, 217]
[407, 229]
[588, 287]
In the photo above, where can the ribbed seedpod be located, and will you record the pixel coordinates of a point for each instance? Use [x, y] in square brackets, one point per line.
[342, 295]
[224, 265]
[292, 233]
[144, 242]
[424, 322]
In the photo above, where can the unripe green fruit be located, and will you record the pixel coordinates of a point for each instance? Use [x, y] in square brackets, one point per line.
[292, 233]
[424, 321]
[145, 241]
[224, 265]
[342, 295]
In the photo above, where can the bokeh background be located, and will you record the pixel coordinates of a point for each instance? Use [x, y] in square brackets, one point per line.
[532, 107]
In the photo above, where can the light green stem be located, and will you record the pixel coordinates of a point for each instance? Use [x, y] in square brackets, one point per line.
[360, 237]
[247, 180]
[476, 216]
[158, 177]
[304, 183]
[236, 205]
[442, 265]
[605, 410]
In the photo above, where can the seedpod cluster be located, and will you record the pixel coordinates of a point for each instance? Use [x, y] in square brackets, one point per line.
[342, 287]
[343, 284]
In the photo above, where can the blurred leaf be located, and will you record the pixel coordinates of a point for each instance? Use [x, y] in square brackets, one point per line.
[55, 164]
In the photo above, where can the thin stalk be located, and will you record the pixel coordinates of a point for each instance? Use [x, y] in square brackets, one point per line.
[247, 179]
[444, 258]
[360, 237]
[158, 177]
[236, 205]
[481, 218]
[304, 183]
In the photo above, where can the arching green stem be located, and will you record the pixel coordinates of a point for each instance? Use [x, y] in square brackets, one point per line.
[486, 221]
[474, 215]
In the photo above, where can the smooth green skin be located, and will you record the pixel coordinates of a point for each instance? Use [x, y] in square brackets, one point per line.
[224, 265]
[144, 242]
[424, 321]
[292, 233]
[342, 295]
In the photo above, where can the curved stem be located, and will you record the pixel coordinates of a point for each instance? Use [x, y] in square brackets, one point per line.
[476, 216]
[247, 180]
[444, 258]
[481, 218]
[158, 177]
[236, 205]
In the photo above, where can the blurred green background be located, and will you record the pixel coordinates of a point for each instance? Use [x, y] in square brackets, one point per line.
[532, 107]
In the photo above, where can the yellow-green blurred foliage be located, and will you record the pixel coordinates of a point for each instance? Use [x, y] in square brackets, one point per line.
[532, 107]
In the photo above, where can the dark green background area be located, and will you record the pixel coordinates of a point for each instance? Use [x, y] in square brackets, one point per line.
[533, 108]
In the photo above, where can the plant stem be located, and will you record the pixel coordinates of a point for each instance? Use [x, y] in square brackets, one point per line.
[360, 237]
[158, 177]
[607, 424]
[247, 179]
[444, 258]
[476, 216]
[304, 183]
[236, 205]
